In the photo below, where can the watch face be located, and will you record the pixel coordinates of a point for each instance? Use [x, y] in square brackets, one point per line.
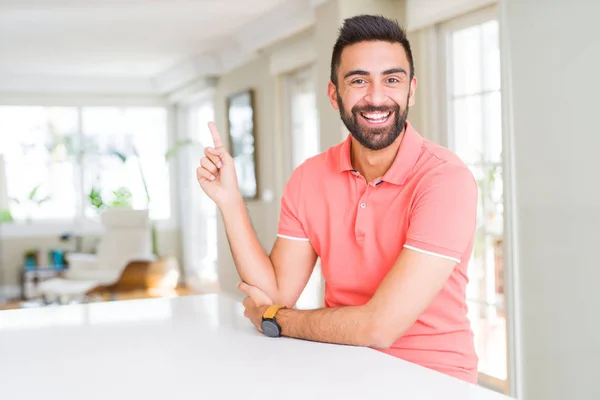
[270, 328]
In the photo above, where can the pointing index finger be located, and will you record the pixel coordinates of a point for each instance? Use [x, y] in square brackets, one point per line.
[215, 135]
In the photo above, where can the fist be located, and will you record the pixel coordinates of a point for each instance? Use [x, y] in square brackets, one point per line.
[216, 173]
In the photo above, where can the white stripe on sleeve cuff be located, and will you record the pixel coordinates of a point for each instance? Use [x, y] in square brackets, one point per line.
[293, 238]
[432, 253]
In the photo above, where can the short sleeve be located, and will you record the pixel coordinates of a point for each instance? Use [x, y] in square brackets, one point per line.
[290, 226]
[443, 215]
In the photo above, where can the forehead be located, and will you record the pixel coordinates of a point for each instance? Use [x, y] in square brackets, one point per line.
[373, 57]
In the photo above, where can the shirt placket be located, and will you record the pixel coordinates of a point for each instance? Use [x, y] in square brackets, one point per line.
[363, 213]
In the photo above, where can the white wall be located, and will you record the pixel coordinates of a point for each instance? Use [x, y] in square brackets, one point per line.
[423, 13]
[263, 212]
[554, 62]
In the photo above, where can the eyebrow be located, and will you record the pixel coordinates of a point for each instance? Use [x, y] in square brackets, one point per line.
[361, 72]
[397, 70]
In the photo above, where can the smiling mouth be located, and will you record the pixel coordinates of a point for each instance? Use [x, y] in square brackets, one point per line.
[376, 117]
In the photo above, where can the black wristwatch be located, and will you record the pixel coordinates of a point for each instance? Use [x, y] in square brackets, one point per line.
[269, 324]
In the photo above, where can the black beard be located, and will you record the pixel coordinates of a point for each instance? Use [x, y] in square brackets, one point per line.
[374, 138]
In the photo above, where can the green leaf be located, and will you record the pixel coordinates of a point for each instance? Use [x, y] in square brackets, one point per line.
[122, 198]
[33, 192]
[120, 155]
[15, 200]
[492, 175]
[96, 198]
[178, 146]
[96, 202]
[45, 199]
[5, 217]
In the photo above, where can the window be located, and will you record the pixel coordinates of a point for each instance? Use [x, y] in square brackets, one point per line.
[473, 112]
[139, 135]
[199, 235]
[302, 120]
[304, 117]
[203, 247]
[55, 156]
[37, 145]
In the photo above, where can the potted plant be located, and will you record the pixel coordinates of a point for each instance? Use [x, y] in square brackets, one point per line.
[33, 199]
[122, 197]
[5, 217]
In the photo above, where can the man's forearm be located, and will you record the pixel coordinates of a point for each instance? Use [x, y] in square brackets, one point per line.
[342, 325]
[252, 262]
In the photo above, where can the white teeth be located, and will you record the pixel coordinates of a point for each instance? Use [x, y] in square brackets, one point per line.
[376, 116]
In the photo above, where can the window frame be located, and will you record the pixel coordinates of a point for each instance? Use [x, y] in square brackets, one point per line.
[80, 224]
[286, 92]
[443, 75]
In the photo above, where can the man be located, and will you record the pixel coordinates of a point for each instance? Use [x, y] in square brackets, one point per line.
[391, 215]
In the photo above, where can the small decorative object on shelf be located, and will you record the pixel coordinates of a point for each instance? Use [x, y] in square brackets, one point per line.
[31, 259]
[56, 258]
[53, 258]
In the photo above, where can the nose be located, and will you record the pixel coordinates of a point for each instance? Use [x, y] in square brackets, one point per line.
[376, 94]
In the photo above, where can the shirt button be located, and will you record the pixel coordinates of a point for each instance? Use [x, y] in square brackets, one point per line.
[362, 205]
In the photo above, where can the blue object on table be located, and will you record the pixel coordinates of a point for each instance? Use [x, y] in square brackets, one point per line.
[57, 258]
[30, 262]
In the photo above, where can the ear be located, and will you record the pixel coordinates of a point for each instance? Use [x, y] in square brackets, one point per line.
[332, 94]
[413, 88]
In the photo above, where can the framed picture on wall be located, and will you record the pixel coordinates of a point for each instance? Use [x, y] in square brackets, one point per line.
[241, 126]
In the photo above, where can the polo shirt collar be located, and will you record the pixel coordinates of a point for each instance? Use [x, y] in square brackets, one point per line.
[344, 163]
[406, 158]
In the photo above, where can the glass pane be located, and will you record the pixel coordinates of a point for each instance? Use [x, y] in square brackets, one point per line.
[492, 126]
[305, 123]
[492, 197]
[305, 142]
[475, 117]
[466, 61]
[476, 269]
[241, 135]
[491, 55]
[123, 147]
[39, 151]
[467, 135]
[489, 327]
[490, 229]
[305, 129]
[204, 210]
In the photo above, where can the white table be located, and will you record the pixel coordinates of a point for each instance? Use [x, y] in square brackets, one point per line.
[197, 347]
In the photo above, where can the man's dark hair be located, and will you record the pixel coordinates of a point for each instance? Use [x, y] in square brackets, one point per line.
[368, 28]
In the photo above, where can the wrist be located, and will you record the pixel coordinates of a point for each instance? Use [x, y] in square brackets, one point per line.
[270, 325]
[232, 204]
[262, 310]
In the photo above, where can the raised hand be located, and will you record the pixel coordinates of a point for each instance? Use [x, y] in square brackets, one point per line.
[216, 174]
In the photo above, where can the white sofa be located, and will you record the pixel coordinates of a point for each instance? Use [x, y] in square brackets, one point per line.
[127, 237]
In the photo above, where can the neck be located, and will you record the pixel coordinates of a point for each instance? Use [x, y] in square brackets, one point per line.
[373, 164]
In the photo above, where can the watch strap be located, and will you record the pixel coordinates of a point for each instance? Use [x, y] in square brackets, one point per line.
[272, 311]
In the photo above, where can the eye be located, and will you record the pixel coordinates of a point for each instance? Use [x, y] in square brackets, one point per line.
[358, 81]
[393, 80]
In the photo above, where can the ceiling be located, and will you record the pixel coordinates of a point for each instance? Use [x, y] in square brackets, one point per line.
[152, 44]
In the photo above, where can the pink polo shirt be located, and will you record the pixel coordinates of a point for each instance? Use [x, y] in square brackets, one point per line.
[426, 201]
